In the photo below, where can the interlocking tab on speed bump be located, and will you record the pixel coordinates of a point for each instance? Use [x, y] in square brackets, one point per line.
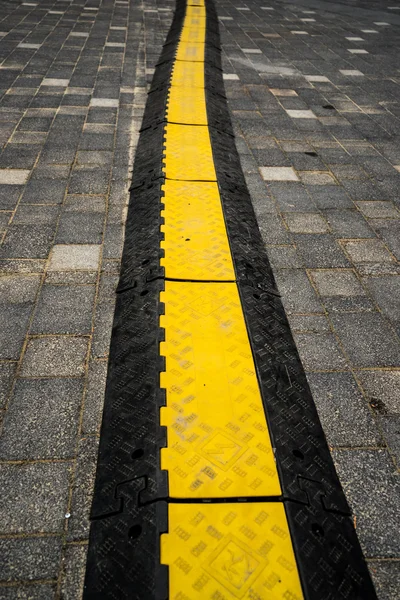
[218, 444]
[195, 242]
[188, 154]
[221, 551]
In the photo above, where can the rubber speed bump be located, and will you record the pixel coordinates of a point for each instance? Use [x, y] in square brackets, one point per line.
[187, 74]
[190, 52]
[188, 154]
[230, 551]
[218, 445]
[187, 106]
[195, 243]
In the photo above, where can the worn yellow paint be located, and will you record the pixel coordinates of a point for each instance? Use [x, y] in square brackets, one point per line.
[188, 154]
[222, 551]
[188, 74]
[191, 52]
[195, 241]
[218, 440]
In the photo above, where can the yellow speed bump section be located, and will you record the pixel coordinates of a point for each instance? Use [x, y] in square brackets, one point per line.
[195, 241]
[229, 551]
[188, 154]
[187, 106]
[191, 52]
[195, 11]
[188, 74]
[218, 444]
[193, 35]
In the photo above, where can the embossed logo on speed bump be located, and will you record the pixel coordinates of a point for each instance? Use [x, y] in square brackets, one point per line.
[222, 451]
[218, 443]
[230, 551]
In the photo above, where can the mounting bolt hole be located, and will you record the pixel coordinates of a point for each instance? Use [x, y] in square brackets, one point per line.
[187, 240]
[317, 530]
[145, 262]
[298, 454]
[144, 293]
[135, 531]
[256, 296]
[138, 453]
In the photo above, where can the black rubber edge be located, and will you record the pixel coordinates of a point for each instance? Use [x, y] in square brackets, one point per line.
[329, 558]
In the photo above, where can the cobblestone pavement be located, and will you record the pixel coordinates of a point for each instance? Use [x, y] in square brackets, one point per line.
[314, 89]
[73, 82]
[314, 93]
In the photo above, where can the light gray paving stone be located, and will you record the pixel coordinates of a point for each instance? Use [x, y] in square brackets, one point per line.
[332, 282]
[320, 352]
[65, 257]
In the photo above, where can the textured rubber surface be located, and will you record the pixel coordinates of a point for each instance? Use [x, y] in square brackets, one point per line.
[230, 551]
[218, 441]
[235, 391]
[195, 243]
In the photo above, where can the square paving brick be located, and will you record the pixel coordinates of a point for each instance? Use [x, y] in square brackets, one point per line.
[14, 322]
[75, 561]
[367, 339]
[7, 372]
[331, 282]
[55, 356]
[29, 559]
[37, 498]
[344, 413]
[75, 257]
[278, 174]
[383, 388]
[79, 522]
[42, 419]
[386, 293]
[306, 223]
[373, 491]
[385, 575]
[320, 352]
[372, 250]
[379, 210]
[297, 293]
[320, 251]
[44, 192]
[13, 176]
[64, 309]
[28, 241]
[29, 592]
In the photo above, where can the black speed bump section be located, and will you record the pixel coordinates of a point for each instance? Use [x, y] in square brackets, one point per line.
[286, 532]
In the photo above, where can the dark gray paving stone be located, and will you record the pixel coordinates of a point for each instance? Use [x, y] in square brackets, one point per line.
[79, 228]
[373, 491]
[283, 257]
[30, 558]
[94, 397]
[85, 471]
[386, 293]
[102, 330]
[348, 224]
[18, 289]
[320, 251]
[28, 241]
[55, 356]
[320, 352]
[7, 372]
[297, 293]
[345, 415]
[64, 309]
[383, 388]
[27, 214]
[18, 156]
[44, 192]
[309, 323]
[367, 339]
[89, 181]
[36, 499]
[29, 592]
[74, 573]
[386, 577]
[14, 321]
[42, 419]
[391, 431]
[9, 195]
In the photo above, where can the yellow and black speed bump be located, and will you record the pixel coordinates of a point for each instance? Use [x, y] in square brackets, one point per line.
[214, 478]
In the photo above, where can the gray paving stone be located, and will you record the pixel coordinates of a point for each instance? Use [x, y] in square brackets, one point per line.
[85, 471]
[283, 257]
[386, 293]
[367, 339]
[373, 491]
[18, 289]
[29, 592]
[14, 322]
[320, 251]
[348, 224]
[320, 352]
[79, 257]
[9, 196]
[385, 575]
[28, 241]
[74, 573]
[306, 223]
[367, 251]
[7, 372]
[55, 356]
[297, 293]
[383, 388]
[94, 397]
[31, 558]
[345, 415]
[64, 309]
[333, 282]
[40, 191]
[80, 228]
[42, 419]
[37, 498]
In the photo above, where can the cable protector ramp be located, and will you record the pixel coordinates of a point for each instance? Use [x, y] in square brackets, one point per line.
[214, 478]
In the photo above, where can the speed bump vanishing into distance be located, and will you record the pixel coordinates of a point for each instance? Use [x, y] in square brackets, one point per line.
[214, 478]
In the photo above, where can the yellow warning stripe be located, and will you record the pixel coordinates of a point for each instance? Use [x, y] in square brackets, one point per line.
[218, 443]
